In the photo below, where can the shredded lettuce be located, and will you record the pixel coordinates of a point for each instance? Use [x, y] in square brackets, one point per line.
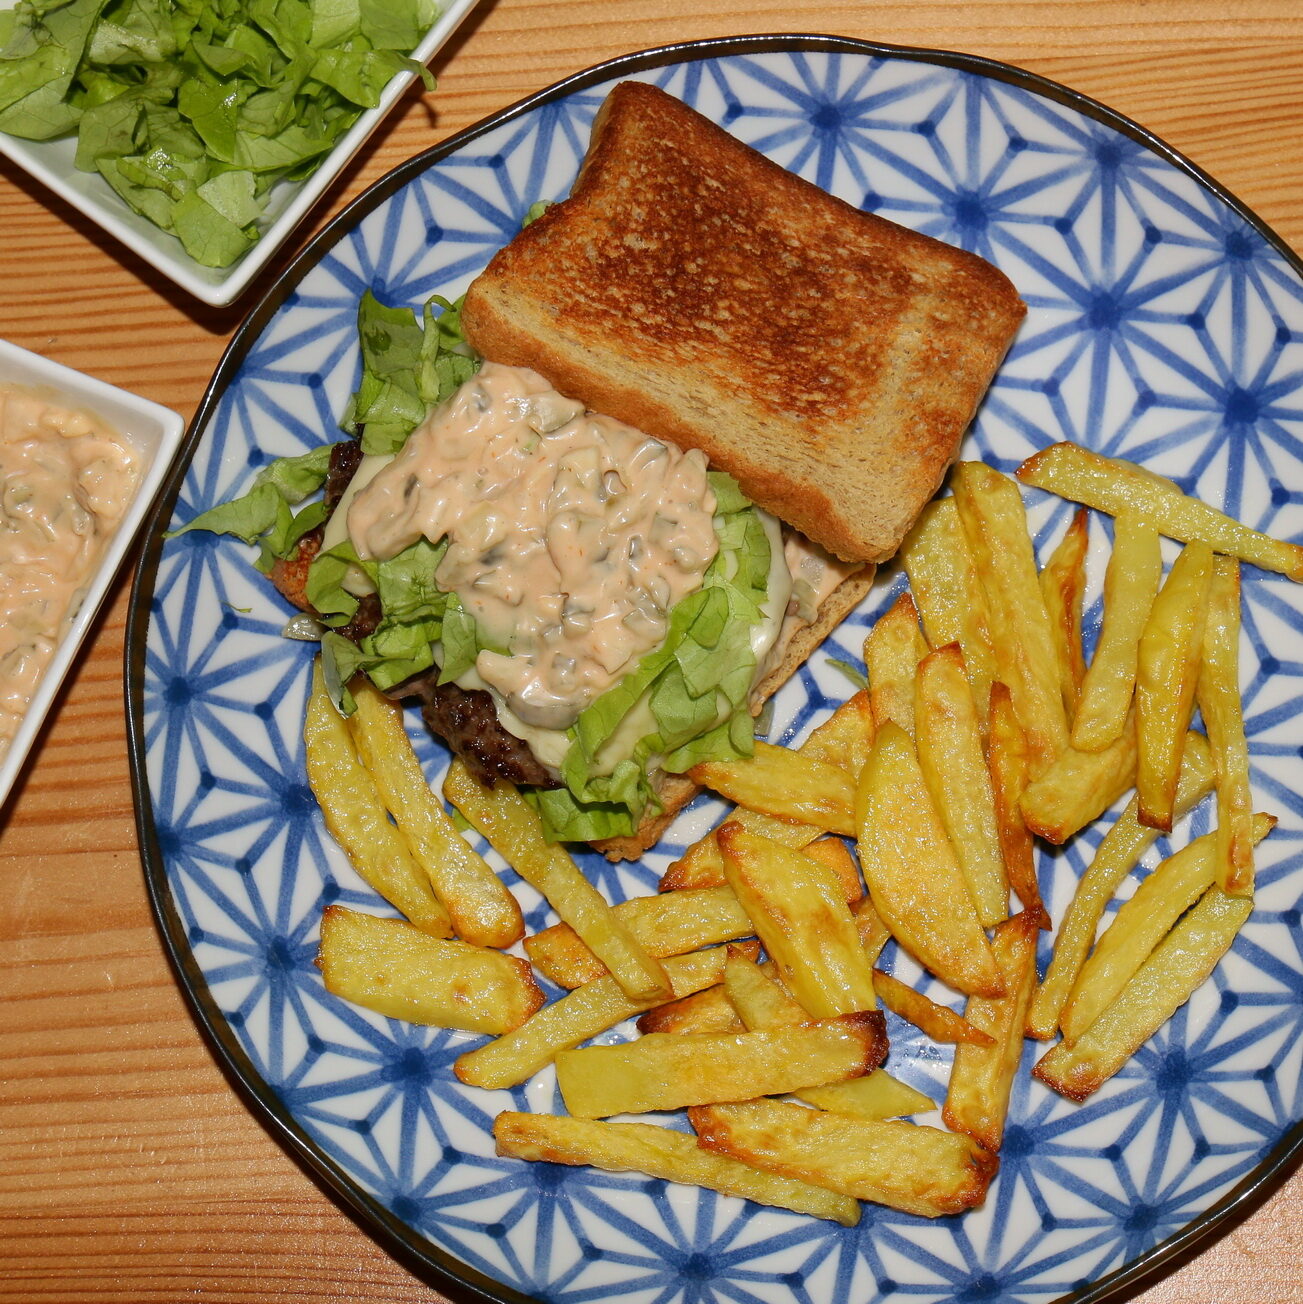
[192, 111]
[697, 685]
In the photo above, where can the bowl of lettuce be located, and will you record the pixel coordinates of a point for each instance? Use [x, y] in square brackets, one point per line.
[200, 133]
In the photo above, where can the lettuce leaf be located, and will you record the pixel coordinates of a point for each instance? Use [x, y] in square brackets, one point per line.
[263, 86]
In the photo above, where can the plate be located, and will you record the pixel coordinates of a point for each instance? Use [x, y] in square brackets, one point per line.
[1165, 324]
[51, 162]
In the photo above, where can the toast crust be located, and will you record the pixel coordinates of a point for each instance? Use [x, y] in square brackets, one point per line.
[828, 359]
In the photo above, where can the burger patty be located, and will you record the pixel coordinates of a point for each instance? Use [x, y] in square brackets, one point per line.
[466, 719]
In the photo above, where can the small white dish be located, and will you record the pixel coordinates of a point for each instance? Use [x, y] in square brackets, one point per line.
[51, 162]
[155, 432]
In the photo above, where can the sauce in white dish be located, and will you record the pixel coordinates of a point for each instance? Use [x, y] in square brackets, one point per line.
[65, 481]
[571, 535]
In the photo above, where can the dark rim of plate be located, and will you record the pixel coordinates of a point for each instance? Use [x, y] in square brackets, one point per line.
[420, 1255]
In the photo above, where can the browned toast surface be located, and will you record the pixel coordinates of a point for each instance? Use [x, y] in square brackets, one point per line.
[828, 359]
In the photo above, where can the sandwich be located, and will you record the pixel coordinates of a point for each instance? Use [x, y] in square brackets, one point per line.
[647, 464]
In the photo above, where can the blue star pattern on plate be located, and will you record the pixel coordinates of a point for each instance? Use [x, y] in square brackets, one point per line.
[1163, 327]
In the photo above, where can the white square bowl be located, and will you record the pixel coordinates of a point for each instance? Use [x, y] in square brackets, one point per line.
[51, 162]
[155, 432]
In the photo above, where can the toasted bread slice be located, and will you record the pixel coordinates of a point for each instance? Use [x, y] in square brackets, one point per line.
[826, 358]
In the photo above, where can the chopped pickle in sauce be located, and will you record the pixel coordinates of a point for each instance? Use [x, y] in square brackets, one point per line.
[65, 481]
[570, 535]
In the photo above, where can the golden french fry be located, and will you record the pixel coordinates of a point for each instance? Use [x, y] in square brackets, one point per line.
[948, 594]
[1063, 586]
[1218, 695]
[1080, 786]
[708, 1011]
[1167, 674]
[921, 1170]
[939, 1022]
[480, 906]
[892, 651]
[786, 784]
[514, 830]
[664, 1071]
[876, 1095]
[664, 1153]
[395, 969]
[995, 525]
[874, 934]
[1123, 488]
[981, 1077]
[573, 1019]
[1171, 975]
[1130, 585]
[801, 916]
[357, 819]
[843, 740]
[913, 877]
[1006, 758]
[671, 923]
[762, 1002]
[1117, 854]
[1141, 923]
[948, 738]
[702, 864]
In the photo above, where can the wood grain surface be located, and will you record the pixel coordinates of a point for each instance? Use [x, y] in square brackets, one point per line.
[130, 1170]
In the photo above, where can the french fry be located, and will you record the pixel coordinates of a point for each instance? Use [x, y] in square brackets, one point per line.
[707, 1011]
[480, 906]
[395, 969]
[664, 1153]
[921, 1170]
[702, 864]
[1006, 758]
[1167, 674]
[1117, 854]
[671, 923]
[948, 594]
[981, 1077]
[786, 784]
[357, 819]
[939, 1022]
[874, 934]
[762, 1003]
[1141, 923]
[876, 1095]
[995, 525]
[1171, 975]
[801, 917]
[1135, 569]
[573, 1019]
[1080, 786]
[1063, 586]
[1218, 695]
[913, 877]
[514, 830]
[892, 651]
[664, 1071]
[948, 738]
[1123, 488]
[843, 740]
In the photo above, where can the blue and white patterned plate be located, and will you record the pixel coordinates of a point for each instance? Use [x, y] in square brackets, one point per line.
[1165, 324]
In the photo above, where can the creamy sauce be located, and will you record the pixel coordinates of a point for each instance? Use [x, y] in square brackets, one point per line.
[65, 481]
[815, 576]
[571, 536]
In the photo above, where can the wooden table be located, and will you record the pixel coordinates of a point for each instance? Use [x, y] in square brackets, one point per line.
[129, 1169]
